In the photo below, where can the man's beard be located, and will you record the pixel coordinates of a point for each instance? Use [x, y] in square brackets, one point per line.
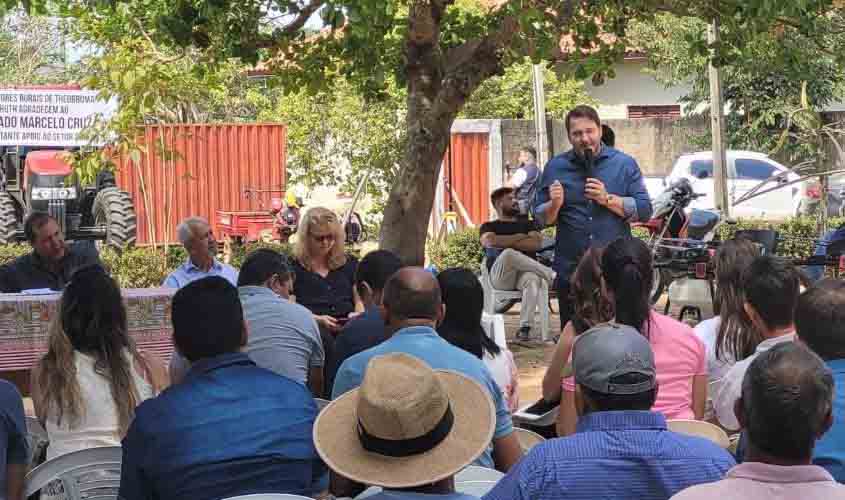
[510, 211]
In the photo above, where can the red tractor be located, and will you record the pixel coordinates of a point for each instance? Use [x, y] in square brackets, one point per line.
[40, 179]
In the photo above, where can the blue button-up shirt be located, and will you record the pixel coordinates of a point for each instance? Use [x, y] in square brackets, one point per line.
[614, 456]
[424, 343]
[188, 272]
[830, 449]
[230, 428]
[582, 223]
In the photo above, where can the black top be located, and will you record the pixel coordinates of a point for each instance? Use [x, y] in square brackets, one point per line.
[329, 296]
[30, 271]
[365, 331]
[506, 228]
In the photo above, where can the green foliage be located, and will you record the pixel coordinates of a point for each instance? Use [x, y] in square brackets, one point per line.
[460, 249]
[336, 136]
[511, 95]
[9, 253]
[32, 50]
[799, 234]
[762, 73]
[239, 253]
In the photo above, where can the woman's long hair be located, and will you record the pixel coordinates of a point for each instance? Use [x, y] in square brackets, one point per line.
[627, 270]
[319, 216]
[737, 338]
[464, 298]
[91, 320]
[591, 307]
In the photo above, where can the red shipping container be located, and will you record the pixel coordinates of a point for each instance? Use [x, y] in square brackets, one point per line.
[468, 154]
[235, 167]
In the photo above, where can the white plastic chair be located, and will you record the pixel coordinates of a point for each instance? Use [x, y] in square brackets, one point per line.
[91, 473]
[528, 439]
[493, 295]
[474, 473]
[268, 496]
[475, 489]
[702, 429]
[36, 439]
[321, 404]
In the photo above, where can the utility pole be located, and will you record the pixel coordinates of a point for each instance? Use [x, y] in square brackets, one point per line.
[541, 135]
[717, 127]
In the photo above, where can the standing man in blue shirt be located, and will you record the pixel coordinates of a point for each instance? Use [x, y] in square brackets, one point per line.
[621, 450]
[591, 193]
[230, 428]
[196, 236]
[820, 324]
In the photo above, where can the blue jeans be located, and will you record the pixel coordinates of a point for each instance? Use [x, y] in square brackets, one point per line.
[816, 273]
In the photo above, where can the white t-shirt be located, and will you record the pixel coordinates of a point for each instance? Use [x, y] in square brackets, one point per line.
[731, 390]
[707, 331]
[519, 178]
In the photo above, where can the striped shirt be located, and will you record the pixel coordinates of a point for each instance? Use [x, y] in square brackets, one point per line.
[614, 455]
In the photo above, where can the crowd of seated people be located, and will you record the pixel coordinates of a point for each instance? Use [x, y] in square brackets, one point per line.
[420, 391]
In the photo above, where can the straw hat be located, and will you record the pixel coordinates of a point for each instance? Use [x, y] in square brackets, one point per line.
[419, 425]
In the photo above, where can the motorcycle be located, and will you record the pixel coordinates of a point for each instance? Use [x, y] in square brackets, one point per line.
[286, 218]
[675, 233]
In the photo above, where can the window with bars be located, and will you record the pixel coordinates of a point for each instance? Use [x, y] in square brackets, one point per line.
[666, 111]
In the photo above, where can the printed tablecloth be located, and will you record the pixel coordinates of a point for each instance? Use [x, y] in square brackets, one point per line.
[25, 324]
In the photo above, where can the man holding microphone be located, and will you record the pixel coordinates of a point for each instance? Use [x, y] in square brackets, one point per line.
[591, 193]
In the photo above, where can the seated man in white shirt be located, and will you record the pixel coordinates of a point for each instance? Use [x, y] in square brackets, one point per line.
[771, 287]
[196, 236]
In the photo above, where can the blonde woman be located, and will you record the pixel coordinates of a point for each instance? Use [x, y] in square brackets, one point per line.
[325, 274]
[85, 389]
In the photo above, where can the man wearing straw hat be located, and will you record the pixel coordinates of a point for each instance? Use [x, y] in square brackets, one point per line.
[407, 427]
[411, 309]
[621, 450]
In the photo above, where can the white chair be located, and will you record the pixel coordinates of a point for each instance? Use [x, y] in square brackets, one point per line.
[475, 489]
[321, 403]
[493, 295]
[702, 429]
[36, 439]
[269, 496]
[528, 439]
[90, 473]
[472, 473]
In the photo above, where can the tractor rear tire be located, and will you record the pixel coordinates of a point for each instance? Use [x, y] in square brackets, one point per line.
[113, 208]
[8, 219]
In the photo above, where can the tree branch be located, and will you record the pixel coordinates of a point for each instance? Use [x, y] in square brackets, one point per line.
[303, 17]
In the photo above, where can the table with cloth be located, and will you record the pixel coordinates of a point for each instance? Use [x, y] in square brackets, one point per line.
[25, 327]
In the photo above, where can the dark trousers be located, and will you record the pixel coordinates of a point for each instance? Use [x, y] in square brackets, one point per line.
[328, 339]
[563, 303]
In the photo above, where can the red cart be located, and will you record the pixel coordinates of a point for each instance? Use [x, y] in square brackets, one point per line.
[238, 228]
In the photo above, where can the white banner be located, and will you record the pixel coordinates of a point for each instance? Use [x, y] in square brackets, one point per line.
[42, 117]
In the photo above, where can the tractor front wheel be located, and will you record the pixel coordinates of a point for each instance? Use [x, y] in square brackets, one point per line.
[113, 209]
[8, 218]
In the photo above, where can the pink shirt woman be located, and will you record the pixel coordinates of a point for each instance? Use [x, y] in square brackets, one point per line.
[679, 356]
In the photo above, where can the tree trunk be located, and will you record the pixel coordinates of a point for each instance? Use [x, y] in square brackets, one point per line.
[405, 225]
[438, 87]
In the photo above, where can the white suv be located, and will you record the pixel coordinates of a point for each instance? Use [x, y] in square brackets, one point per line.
[746, 169]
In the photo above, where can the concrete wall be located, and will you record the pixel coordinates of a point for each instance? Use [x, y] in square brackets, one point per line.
[654, 142]
[631, 87]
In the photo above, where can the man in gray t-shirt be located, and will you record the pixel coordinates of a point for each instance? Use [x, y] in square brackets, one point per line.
[283, 336]
[14, 453]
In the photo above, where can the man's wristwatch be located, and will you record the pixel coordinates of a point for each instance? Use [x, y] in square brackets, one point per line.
[608, 198]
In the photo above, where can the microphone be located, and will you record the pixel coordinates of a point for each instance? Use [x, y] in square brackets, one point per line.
[589, 161]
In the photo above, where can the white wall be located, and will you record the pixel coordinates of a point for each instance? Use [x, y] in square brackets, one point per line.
[632, 86]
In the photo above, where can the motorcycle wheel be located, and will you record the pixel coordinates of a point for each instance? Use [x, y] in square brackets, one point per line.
[660, 280]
